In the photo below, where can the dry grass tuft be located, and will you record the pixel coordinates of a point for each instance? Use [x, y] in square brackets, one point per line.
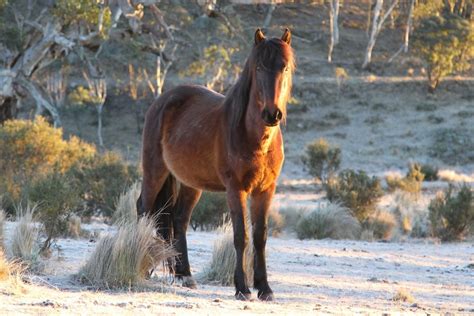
[10, 276]
[222, 267]
[381, 224]
[125, 208]
[74, 227]
[403, 295]
[125, 259]
[329, 220]
[25, 236]
[276, 223]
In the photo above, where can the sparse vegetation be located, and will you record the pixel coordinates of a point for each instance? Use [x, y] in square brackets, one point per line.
[328, 221]
[453, 146]
[126, 207]
[411, 183]
[125, 258]
[291, 217]
[451, 215]
[222, 266]
[210, 212]
[380, 225]
[322, 159]
[403, 295]
[2, 229]
[276, 223]
[430, 172]
[355, 190]
[25, 240]
[10, 276]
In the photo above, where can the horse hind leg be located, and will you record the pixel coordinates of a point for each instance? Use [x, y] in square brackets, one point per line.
[187, 199]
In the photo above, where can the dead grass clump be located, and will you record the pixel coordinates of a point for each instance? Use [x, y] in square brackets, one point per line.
[74, 227]
[25, 245]
[10, 276]
[411, 183]
[222, 267]
[125, 258]
[291, 217]
[411, 216]
[125, 208]
[328, 221]
[403, 295]
[276, 222]
[2, 233]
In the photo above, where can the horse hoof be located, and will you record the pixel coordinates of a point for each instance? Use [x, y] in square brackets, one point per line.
[243, 296]
[266, 296]
[188, 281]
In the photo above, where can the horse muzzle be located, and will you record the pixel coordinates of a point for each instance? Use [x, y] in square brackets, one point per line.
[272, 119]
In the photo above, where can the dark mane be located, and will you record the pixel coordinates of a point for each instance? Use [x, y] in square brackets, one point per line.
[264, 55]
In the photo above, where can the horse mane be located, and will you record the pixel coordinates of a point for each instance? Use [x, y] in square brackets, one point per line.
[263, 54]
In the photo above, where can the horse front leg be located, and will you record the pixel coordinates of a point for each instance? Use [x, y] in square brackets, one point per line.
[237, 200]
[260, 206]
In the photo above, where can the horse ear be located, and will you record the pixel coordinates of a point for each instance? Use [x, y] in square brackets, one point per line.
[286, 37]
[259, 37]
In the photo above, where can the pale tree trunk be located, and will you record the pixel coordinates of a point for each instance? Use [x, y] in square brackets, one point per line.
[333, 26]
[98, 90]
[377, 23]
[406, 41]
[268, 16]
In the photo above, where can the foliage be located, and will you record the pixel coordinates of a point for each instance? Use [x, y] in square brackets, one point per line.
[328, 221]
[214, 67]
[453, 146]
[446, 43]
[101, 180]
[210, 212]
[56, 197]
[125, 258]
[410, 183]
[29, 150]
[322, 159]
[430, 172]
[355, 190]
[291, 216]
[82, 96]
[451, 215]
[81, 11]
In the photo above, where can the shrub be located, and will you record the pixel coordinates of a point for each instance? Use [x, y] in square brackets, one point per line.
[74, 227]
[25, 236]
[430, 172]
[412, 217]
[452, 216]
[125, 258]
[410, 183]
[356, 191]
[210, 212]
[444, 42]
[29, 150]
[11, 273]
[322, 159]
[126, 206]
[403, 295]
[56, 198]
[328, 221]
[381, 225]
[291, 217]
[222, 267]
[101, 180]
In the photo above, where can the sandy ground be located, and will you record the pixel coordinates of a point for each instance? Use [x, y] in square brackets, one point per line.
[308, 278]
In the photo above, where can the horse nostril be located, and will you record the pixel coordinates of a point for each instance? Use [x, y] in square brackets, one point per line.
[278, 115]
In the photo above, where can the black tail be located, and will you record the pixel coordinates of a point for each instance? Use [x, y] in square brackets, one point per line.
[163, 208]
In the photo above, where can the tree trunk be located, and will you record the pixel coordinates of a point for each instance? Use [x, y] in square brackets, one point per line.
[404, 47]
[8, 108]
[268, 16]
[333, 25]
[99, 125]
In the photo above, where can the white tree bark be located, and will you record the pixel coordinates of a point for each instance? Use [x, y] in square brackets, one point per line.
[406, 41]
[333, 26]
[377, 23]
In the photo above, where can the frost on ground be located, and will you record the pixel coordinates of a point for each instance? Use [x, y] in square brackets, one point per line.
[308, 277]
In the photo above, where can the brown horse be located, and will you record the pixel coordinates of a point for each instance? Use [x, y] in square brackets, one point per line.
[195, 139]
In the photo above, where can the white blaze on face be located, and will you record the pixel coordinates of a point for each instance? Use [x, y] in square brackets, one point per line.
[284, 86]
[267, 138]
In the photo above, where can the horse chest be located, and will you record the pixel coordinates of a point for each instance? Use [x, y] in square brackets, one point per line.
[258, 173]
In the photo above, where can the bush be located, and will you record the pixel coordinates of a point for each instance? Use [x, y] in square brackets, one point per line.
[411, 183]
[276, 223]
[210, 212]
[11, 274]
[29, 150]
[322, 159]
[452, 216]
[328, 221]
[101, 180]
[444, 42]
[381, 225]
[56, 198]
[412, 216]
[356, 191]
[291, 216]
[125, 258]
[430, 172]
[222, 267]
